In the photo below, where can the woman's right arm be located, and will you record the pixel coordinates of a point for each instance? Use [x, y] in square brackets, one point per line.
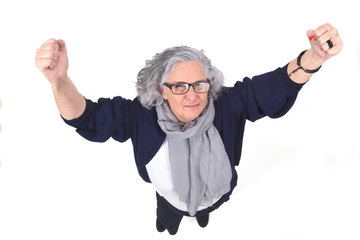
[52, 61]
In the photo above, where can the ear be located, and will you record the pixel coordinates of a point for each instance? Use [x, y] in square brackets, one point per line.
[163, 93]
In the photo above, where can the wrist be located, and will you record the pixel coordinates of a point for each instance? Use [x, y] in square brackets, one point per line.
[304, 63]
[310, 60]
[60, 84]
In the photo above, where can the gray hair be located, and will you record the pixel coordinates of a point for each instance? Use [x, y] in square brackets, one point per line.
[157, 70]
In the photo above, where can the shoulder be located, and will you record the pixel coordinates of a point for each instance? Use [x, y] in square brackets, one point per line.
[230, 99]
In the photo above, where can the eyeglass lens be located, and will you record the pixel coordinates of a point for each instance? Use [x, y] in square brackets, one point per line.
[182, 88]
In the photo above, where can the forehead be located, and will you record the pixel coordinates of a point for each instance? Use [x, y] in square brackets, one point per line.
[189, 72]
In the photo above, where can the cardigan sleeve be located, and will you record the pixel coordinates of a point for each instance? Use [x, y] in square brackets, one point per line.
[122, 119]
[271, 94]
[106, 118]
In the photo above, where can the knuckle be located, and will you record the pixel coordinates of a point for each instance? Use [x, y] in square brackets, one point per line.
[52, 46]
[51, 40]
[328, 25]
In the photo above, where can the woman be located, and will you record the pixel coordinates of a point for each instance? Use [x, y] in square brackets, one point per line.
[186, 128]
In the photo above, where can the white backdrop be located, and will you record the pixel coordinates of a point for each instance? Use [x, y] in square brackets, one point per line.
[299, 176]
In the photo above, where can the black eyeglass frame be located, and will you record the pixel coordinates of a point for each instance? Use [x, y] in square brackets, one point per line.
[188, 84]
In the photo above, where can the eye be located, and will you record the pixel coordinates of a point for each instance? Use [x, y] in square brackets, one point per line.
[180, 87]
[202, 86]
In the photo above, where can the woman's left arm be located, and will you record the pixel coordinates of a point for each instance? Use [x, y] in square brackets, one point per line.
[325, 43]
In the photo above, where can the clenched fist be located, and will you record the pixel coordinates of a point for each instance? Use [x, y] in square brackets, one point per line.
[325, 41]
[52, 60]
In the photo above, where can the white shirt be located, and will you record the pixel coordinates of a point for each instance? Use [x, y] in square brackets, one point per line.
[159, 171]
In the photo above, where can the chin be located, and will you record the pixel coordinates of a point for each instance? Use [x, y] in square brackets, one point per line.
[190, 118]
[189, 115]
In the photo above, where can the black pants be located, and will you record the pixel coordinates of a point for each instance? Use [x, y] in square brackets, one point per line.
[170, 217]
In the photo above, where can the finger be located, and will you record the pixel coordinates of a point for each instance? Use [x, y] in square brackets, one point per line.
[311, 35]
[52, 64]
[43, 64]
[325, 46]
[48, 54]
[51, 41]
[338, 45]
[330, 39]
[61, 44]
[47, 60]
[328, 35]
[322, 29]
[50, 49]
[51, 44]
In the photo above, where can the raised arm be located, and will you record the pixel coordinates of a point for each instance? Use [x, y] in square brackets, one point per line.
[52, 61]
[321, 50]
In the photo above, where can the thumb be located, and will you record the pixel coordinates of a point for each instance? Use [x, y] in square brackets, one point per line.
[62, 44]
[311, 35]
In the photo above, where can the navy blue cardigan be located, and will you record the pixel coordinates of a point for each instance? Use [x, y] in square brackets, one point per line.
[271, 94]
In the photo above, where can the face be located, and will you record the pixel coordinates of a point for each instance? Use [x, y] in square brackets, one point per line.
[188, 106]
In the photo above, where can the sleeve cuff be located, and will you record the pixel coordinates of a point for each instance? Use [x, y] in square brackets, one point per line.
[293, 87]
[76, 122]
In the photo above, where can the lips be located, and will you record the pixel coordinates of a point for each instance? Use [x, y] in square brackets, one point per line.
[192, 106]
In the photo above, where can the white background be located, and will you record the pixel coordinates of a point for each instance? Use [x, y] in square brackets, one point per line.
[299, 176]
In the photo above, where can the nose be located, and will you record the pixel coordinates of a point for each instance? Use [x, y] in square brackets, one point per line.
[191, 94]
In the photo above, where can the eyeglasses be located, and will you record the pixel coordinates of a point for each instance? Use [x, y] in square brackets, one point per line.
[183, 88]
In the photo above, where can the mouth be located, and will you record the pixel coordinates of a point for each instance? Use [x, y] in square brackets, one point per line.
[192, 106]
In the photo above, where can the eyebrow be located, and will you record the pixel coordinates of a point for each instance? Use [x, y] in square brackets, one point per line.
[179, 82]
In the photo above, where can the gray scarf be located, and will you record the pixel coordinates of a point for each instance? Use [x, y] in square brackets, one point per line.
[200, 167]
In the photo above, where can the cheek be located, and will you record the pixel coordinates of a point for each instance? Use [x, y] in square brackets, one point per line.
[175, 102]
[204, 100]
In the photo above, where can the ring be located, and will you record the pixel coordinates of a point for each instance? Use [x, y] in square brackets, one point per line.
[330, 43]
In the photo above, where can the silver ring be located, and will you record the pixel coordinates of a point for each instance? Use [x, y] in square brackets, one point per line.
[330, 43]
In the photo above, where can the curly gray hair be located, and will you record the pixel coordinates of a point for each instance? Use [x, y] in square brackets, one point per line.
[156, 71]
